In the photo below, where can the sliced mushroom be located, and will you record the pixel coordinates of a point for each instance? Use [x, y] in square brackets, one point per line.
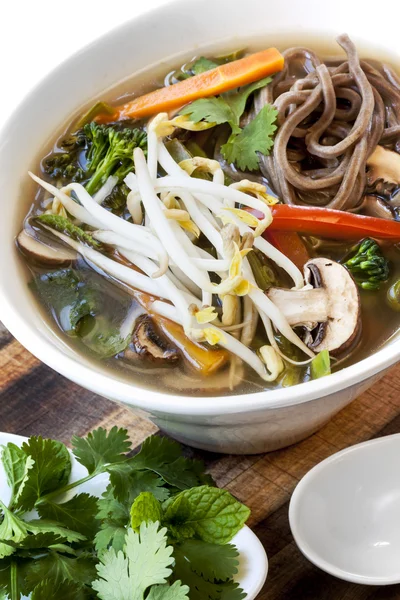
[328, 307]
[373, 206]
[42, 253]
[150, 343]
[383, 164]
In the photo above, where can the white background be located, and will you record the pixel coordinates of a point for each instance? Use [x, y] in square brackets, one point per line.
[36, 35]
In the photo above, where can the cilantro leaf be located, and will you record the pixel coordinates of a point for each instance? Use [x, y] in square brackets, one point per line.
[163, 456]
[57, 567]
[206, 513]
[257, 136]
[13, 569]
[237, 99]
[213, 562]
[16, 465]
[14, 531]
[147, 481]
[67, 590]
[145, 509]
[227, 108]
[110, 536]
[202, 64]
[147, 562]
[200, 588]
[78, 513]
[177, 591]
[50, 470]
[100, 448]
[213, 110]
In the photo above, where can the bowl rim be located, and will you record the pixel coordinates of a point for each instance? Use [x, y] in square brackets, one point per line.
[296, 500]
[158, 401]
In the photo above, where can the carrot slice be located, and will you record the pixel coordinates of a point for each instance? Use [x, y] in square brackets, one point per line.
[290, 244]
[210, 83]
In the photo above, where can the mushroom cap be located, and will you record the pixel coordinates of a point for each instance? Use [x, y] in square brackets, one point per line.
[343, 305]
[42, 253]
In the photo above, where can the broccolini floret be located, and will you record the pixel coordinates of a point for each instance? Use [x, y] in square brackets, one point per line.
[368, 265]
[110, 152]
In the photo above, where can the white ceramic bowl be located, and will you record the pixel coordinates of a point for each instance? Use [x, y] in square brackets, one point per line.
[345, 513]
[239, 424]
[253, 561]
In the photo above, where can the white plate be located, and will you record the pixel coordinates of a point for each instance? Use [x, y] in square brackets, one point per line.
[345, 513]
[253, 561]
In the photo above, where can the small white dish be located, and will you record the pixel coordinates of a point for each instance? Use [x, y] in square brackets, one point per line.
[253, 561]
[345, 513]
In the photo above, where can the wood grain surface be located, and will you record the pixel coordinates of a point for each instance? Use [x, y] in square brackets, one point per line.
[36, 400]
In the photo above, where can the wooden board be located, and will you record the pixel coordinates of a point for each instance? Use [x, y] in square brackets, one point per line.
[36, 400]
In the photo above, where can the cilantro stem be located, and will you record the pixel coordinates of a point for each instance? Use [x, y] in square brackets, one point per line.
[14, 588]
[66, 488]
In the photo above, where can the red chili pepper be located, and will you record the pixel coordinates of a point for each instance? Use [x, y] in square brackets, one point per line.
[330, 223]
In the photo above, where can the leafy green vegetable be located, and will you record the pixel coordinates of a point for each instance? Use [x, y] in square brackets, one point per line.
[82, 309]
[50, 470]
[227, 108]
[110, 152]
[64, 225]
[212, 110]
[163, 456]
[16, 465]
[202, 64]
[145, 509]
[58, 554]
[65, 166]
[78, 514]
[206, 513]
[65, 590]
[100, 448]
[57, 567]
[213, 562]
[147, 562]
[257, 136]
[368, 265]
[321, 365]
[116, 200]
[201, 588]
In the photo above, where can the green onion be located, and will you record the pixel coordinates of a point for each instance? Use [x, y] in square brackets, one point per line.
[321, 365]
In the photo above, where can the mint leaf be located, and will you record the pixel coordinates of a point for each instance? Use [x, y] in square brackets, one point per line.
[177, 591]
[16, 466]
[78, 514]
[58, 568]
[257, 136]
[202, 64]
[50, 471]
[213, 562]
[200, 588]
[145, 509]
[212, 110]
[206, 513]
[65, 590]
[64, 225]
[147, 562]
[100, 449]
